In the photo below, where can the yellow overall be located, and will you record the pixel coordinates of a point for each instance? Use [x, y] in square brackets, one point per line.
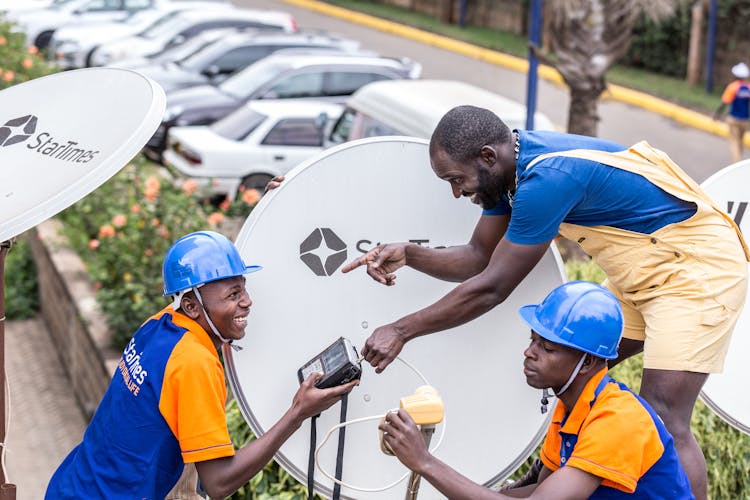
[683, 286]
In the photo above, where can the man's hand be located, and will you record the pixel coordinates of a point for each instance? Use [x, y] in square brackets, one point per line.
[382, 262]
[273, 183]
[310, 401]
[382, 347]
[405, 439]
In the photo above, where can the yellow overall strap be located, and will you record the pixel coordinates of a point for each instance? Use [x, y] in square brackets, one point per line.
[658, 168]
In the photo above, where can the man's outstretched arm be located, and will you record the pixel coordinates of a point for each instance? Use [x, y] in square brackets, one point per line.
[509, 265]
[456, 263]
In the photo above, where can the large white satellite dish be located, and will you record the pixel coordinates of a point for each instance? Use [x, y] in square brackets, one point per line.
[729, 188]
[328, 211]
[63, 135]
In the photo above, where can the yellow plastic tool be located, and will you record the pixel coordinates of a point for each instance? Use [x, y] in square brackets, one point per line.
[425, 407]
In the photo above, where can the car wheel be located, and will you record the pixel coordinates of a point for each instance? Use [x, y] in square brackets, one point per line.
[256, 181]
[42, 41]
[89, 56]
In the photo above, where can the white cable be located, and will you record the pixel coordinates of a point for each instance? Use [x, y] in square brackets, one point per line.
[366, 419]
[7, 429]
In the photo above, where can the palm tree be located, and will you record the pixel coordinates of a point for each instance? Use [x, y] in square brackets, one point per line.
[587, 38]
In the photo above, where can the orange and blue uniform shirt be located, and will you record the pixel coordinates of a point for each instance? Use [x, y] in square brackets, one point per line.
[737, 96]
[164, 407]
[614, 434]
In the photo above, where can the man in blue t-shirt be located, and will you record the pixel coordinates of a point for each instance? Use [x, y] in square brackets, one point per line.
[675, 260]
[736, 96]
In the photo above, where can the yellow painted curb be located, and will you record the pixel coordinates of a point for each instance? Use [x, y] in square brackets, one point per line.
[677, 113]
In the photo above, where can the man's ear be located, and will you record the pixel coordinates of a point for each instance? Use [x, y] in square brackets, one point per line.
[488, 154]
[591, 363]
[190, 306]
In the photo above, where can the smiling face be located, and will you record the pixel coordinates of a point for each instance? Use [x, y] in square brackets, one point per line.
[547, 364]
[228, 304]
[479, 179]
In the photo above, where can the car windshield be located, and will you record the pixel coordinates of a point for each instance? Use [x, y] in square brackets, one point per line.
[238, 125]
[164, 25]
[242, 84]
[182, 50]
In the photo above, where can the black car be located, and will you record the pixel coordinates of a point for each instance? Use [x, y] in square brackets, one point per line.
[288, 74]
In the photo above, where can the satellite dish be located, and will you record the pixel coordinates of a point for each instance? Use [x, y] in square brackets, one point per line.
[728, 187]
[63, 135]
[328, 211]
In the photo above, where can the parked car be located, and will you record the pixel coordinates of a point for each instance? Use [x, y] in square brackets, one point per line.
[73, 45]
[40, 24]
[414, 108]
[288, 74]
[216, 61]
[247, 148]
[185, 25]
[9, 9]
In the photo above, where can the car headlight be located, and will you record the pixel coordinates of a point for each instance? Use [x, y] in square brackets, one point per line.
[171, 113]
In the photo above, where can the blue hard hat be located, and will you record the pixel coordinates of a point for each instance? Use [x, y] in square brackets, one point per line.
[199, 258]
[580, 315]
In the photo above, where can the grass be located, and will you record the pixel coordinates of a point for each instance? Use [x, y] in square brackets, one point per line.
[672, 89]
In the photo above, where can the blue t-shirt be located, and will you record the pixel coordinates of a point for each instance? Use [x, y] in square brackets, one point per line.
[582, 192]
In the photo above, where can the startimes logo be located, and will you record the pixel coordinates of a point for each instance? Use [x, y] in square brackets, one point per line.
[21, 129]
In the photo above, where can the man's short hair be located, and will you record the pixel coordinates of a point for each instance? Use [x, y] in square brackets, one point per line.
[463, 131]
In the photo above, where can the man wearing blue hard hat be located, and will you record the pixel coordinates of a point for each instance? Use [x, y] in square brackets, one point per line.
[165, 404]
[603, 441]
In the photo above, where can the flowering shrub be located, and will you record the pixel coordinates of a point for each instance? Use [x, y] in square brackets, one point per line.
[122, 231]
[18, 63]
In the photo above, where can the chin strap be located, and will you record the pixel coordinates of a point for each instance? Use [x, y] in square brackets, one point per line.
[176, 304]
[573, 375]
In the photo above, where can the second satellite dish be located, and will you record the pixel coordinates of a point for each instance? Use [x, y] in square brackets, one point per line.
[63, 135]
[330, 210]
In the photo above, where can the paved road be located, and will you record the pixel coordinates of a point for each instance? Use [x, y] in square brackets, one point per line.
[699, 153]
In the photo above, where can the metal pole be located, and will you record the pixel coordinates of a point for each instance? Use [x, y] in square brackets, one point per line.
[413, 487]
[7, 491]
[710, 48]
[535, 36]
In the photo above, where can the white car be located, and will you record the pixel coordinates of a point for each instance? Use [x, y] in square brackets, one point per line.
[186, 25]
[73, 44]
[10, 9]
[247, 148]
[40, 24]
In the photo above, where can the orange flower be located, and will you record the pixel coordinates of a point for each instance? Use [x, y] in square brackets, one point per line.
[135, 209]
[148, 252]
[189, 186]
[93, 244]
[3, 40]
[153, 183]
[27, 63]
[163, 232]
[33, 50]
[251, 196]
[215, 218]
[151, 194]
[106, 231]
[9, 75]
[155, 222]
[119, 220]
[224, 205]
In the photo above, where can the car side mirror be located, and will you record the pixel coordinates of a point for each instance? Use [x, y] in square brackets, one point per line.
[212, 71]
[321, 121]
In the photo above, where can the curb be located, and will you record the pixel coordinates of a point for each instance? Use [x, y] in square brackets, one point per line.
[677, 113]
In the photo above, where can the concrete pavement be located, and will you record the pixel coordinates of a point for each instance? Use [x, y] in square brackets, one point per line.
[45, 421]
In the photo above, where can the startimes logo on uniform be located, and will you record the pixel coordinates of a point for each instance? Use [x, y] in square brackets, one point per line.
[22, 129]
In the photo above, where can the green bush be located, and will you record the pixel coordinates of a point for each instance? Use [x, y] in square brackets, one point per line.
[18, 63]
[21, 292]
[122, 231]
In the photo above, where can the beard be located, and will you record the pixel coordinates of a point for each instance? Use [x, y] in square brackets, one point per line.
[491, 188]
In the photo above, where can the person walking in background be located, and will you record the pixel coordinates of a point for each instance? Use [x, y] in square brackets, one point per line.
[736, 97]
